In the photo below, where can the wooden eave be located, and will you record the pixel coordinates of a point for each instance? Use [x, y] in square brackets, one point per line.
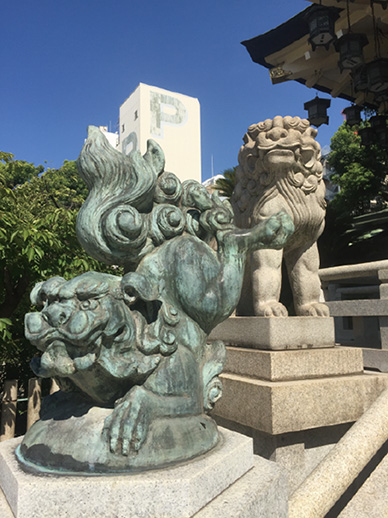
[286, 52]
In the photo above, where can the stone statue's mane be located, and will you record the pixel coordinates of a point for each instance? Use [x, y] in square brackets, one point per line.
[300, 170]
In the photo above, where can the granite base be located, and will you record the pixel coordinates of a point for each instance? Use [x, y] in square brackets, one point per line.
[276, 333]
[228, 481]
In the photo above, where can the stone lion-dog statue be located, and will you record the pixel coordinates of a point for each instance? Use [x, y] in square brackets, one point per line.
[280, 170]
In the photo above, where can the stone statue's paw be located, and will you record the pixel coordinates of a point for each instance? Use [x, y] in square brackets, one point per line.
[127, 427]
[271, 308]
[315, 309]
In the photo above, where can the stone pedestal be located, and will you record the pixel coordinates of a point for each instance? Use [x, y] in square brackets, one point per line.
[276, 333]
[295, 404]
[228, 481]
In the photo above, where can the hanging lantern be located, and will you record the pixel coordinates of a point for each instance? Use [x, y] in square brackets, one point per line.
[350, 48]
[352, 114]
[377, 72]
[359, 78]
[317, 113]
[321, 26]
[367, 136]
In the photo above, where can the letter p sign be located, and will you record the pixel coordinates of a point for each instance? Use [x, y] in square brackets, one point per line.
[165, 109]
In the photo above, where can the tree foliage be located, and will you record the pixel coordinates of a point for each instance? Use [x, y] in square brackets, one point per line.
[38, 211]
[357, 218]
[226, 185]
[360, 172]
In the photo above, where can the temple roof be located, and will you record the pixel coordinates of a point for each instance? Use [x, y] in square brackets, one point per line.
[287, 53]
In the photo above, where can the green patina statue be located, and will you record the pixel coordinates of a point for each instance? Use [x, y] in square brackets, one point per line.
[130, 354]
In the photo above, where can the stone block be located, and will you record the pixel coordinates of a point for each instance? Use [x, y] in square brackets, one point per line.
[376, 359]
[383, 324]
[176, 492]
[383, 274]
[353, 271]
[383, 288]
[261, 493]
[276, 333]
[358, 308]
[298, 453]
[293, 365]
[289, 406]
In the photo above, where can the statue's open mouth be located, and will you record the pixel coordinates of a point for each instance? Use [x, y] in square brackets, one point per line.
[61, 359]
[281, 152]
[280, 156]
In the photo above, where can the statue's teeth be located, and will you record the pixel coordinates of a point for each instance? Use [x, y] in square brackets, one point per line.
[84, 362]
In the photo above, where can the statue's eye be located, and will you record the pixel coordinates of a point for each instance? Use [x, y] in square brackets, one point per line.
[89, 304]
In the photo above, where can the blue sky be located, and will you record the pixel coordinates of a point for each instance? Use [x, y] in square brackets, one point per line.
[66, 64]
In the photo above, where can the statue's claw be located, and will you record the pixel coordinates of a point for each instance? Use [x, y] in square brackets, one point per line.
[314, 309]
[271, 308]
[126, 428]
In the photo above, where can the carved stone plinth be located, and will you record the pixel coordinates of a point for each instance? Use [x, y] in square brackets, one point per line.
[276, 333]
[228, 481]
[292, 406]
[293, 365]
[296, 404]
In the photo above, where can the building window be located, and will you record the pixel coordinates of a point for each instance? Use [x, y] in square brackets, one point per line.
[122, 128]
[136, 115]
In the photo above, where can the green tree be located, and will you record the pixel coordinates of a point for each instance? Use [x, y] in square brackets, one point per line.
[357, 218]
[360, 172]
[226, 184]
[38, 211]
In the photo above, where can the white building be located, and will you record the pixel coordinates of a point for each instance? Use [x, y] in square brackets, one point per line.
[169, 118]
[113, 138]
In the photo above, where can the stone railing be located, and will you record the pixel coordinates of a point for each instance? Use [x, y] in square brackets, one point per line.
[357, 296]
[331, 478]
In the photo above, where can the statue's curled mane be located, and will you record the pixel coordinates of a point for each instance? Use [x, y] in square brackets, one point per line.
[135, 206]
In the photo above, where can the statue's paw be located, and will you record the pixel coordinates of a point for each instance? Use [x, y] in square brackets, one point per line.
[271, 308]
[278, 228]
[314, 309]
[126, 428]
